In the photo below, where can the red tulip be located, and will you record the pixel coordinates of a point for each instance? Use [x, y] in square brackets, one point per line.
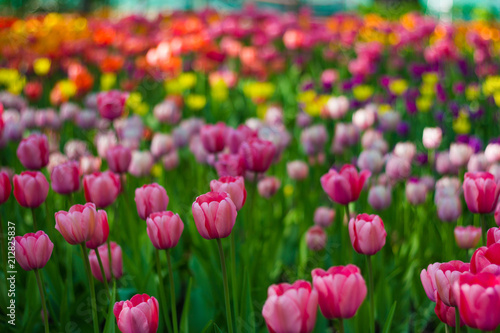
[65, 178]
[116, 260]
[344, 186]
[233, 186]
[164, 229]
[5, 187]
[33, 151]
[139, 315]
[367, 233]
[213, 137]
[101, 188]
[214, 214]
[30, 188]
[119, 158]
[486, 259]
[32, 251]
[78, 224]
[150, 198]
[258, 154]
[446, 275]
[481, 192]
[111, 103]
[101, 231]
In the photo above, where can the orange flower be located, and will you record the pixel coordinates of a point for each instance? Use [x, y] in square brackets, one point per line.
[112, 63]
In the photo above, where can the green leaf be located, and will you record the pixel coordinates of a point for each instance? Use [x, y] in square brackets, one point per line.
[185, 308]
[110, 326]
[387, 325]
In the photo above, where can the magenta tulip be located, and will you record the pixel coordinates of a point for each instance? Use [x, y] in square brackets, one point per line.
[493, 236]
[101, 231]
[5, 187]
[214, 215]
[230, 165]
[111, 104]
[258, 154]
[119, 158]
[65, 178]
[164, 229]
[486, 259]
[446, 313]
[78, 224]
[33, 151]
[30, 188]
[367, 233]
[101, 188]
[233, 186]
[116, 260]
[33, 250]
[150, 198]
[139, 315]
[481, 192]
[344, 186]
[213, 137]
[447, 274]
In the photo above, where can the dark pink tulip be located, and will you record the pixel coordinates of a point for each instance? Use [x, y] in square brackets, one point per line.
[234, 186]
[445, 313]
[497, 215]
[481, 192]
[101, 231]
[139, 315]
[119, 158]
[493, 236]
[214, 214]
[101, 188]
[341, 290]
[213, 137]
[316, 238]
[367, 233]
[235, 137]
[33, 151]
[344, 186]
[111, 104]
[164, 229]
[486, 259]
[428, 278]
[447, 274]
[291, 308]
[230, 165]
[78, 224]
[32, 251]
[65, 178]
[150, 198]
[467, 237]
[30, 188]
[258, 154]
[478, 299]
[116, 260]
[5, 187]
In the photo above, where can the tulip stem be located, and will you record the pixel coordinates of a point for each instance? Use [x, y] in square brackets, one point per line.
[483, 229]
[44, 306]
[446, 328]
[370, 290]
[226, 287]
[341, 325]
[172, 292]
[162, 291]
[33, 214]
[457, 320]
[110, 259]
[233, 275]
[104, 277]
[92, 290]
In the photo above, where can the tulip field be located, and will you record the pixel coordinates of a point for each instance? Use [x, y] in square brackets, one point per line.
[249, 171]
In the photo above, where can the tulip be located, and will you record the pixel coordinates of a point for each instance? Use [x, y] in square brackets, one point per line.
[486, 259]
[141, 163]
[101, 231]
[258, 154]
[297, 170]
[214, 215]
[341, 290]
[497, 215]
[119, 158]
[230, 165]
[316, 238]
[406, 150]
[460, 154]
[101, 188]
[104, 142]
[446, 275]
[268, 186]
[416, 192]
[324, 216]
[139, 315]
[367, 234]
[150, 198]
[467, 237]
[33, 250]
[213, 137]
[116, 262]
[478, 163]
[371, 160]
[449, 208]
[291, 308]
[164, 229]
[235, 137]
[493, 236]
[65, 178]
[345, 186]
[446, 313]
[5, 187]
[398, 168]
[30, 188]
[90, 164]
[233, 186]
[33, 151]
[111, 104]
[313, 139]
[379, 197]
[492, 152]
[78, 224]
[481, 192]
[428, 278]
[478, 298]
[161, 144]
[432, 137]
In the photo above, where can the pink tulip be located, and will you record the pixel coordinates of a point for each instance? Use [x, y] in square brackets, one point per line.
[449, 208]
[406, 150]
[324, 216]
[316, 238]
[65, 178]
[90, 164]
[445, 313]
[213, 137]
[416, 192]
[446, 275]
[341, 290]
[141, 163]
[432, 137]
[481, 192]
[161, 144]
[371, 160]
[101, 188]
[171, 160]
[493, 236]
[235, 137]
[78, 224]
[398, 168]
[428, 278]
[478, 298]
[379, 197]
[5, 187]
[258, 154]
[367, 234]
[111, 104]
[32, 251]
[497, 214]
[230, 165]
[214, 215]
[297, 170]
[164, 229]
[460, 154]
[344, 186]
[268, 186]
[492, 152]
[30, 188]
[467, 237]
[116, 260]
[101, 231]
[291, 308]
[119, 158]
[150, 198]
[139, 315]
[33, 151]
[486, 259]
[233, 186]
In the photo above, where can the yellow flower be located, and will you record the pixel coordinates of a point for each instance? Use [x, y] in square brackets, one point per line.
[135, 103]
[288, 190]
[427, 89]
[461, 125]
[362, 92]
[219, 91]
[157, 170]
[41, 66]
[262, 110]
[306, 97]
[16, 87]
[108, 80]
[491, 85]
[472, 92]
[9, 76]
[398, 87]
[67, 87]
[172, 87]
[496, 96]
[383, 108]
[430, 78]
[196, 102]
[258, 90]
[186, 80]
[424, 104]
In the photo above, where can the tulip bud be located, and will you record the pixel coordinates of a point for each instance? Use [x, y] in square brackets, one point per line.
[481, 192]
[161, 144]
[234, 187]
[78, 224]
[467, 237]
[268, 186]
[33, 151]
[119, 158]
[324, 216]
[432, 137]
[101, 188]
[150, 198]
[30, 188]
[111, 103]
[141, 163]
[33, 250]
[5, 187]
[213, 137]
[65, 178]
[230, 165]
[379, 197]
[140, 314]
[345, 186]
[101, 230]
[316, 238]
[258, 154]
[164, 229]
[214, 215]
[416, 192]
[398, 168]
[116, 262]
[367, 234]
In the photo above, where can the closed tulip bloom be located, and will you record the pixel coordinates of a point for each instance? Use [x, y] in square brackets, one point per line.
[119, 158]
[258, 154]
[478, 163]
[65, 178]
[367, 234]
[111, 104]
[33, 151]
[101, 231]
[230, 165]
[161, 144]
[460, 154]
[406, 150]
[30, 188]
[235, 137]
[214, 215]
[316, 238]
[486, 259]
[478, 299]
[379, 197]
[297, 170]
[371, 160]
[324, 216]
[492, 152]
[150, 198]
[268, 186]
[291, 308]
[493, 236]
[416, 192]
[233, 186]
[101, 188]
[78, 224]
[447, 274]
[449, 208]
[481, 192]
[164, 229]
[33, 250]
[89, 164]
[139, 315]
[213, 137]
[345, 186]
[116, 260]
[428, 278]
[398, 168]
[467, 237]
[5, 187]
[446, 313]
[341, 290]
[432, 137]
[141, 163]
[497, 215]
